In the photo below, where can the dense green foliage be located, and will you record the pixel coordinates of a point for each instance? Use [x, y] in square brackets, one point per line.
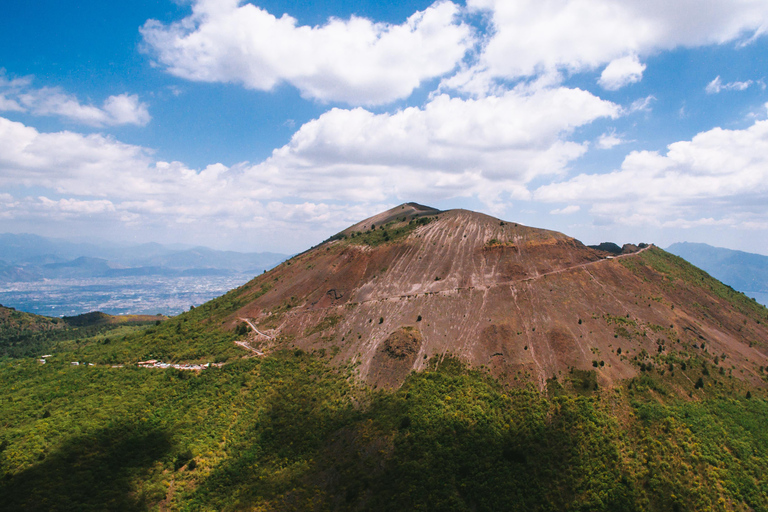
[287, 432]
[390, 232]
[27, 335]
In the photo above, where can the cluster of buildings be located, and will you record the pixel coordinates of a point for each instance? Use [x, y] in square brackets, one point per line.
[154, 363]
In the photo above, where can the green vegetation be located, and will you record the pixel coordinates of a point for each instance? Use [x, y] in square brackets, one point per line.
[193, 336]
[287, 432]
[495, 242]
[390, 232]
[27, 335]
[189, 337]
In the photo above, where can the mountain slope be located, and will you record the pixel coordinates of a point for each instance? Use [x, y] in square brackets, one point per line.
[527, 304]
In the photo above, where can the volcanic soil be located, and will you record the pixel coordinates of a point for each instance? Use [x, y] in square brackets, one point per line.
[528, 305]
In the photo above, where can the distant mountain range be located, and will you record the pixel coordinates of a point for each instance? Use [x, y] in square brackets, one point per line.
[743, 271]
[25, 257]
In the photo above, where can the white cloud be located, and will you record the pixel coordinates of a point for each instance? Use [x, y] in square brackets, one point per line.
[125, 109]
[719, 174]
[76, 206]
[568, 210]
[116, 110]
[609, 140]
[531, 37]
[18, 95]
[641, 105]
[351, 160]
[355, 61]
[621, 72]
[717, 85]
[9, 105]
[9, 88]
[451, 147]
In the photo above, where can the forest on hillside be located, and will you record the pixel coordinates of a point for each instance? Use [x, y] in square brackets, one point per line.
[289, 432]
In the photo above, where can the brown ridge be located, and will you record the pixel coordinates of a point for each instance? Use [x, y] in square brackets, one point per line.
[525, 303]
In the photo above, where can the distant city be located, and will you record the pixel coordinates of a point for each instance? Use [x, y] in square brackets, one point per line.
[117, 296]
[56, 277]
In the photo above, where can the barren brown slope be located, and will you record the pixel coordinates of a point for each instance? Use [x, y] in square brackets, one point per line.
[528, 304]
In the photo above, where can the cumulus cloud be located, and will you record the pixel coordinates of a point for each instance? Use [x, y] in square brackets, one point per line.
[719, 174]
[450, 147]
[64, 161]
[360, 62]
[531, 37]
[116, 110]
[18, 95]
[489, 148]
[355, 61]
[609, 140]
[621, 72]
[717, 85]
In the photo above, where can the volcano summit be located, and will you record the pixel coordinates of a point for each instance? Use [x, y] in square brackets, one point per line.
[397, 289]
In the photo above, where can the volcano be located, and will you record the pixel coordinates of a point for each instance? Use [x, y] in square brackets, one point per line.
[392, 292]
[418, 360]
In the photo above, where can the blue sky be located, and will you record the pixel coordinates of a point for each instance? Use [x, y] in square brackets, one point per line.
[272, 125]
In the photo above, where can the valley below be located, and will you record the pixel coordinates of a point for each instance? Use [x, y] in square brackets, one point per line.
[140, 295]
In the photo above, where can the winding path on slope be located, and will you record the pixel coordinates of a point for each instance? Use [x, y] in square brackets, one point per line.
[301, 311]
[245, 344]
[255, 329]
[505, 283]
[580, 265]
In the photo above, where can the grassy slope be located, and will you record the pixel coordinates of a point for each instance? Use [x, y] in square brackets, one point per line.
[28, 335]
[390, 232]
[289, 433]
